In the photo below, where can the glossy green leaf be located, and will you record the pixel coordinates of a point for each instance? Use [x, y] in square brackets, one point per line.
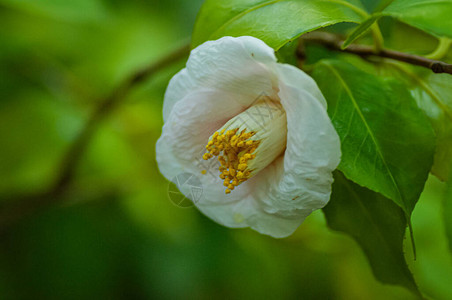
[275, 22]
[382, 5]
[376, 224]
[360, 30]
[431, 16]
[433, 94]
[387, 141]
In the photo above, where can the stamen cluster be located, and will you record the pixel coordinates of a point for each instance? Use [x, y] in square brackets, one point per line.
[233, 151]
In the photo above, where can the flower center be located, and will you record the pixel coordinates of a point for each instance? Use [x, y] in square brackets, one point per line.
[248, 142]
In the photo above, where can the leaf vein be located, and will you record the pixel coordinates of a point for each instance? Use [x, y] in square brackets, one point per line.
[369, 131]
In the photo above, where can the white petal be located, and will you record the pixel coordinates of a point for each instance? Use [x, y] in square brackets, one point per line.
[179, 150]
[243, 208]
[222, 79]
[188, 127]
[247, 212]
[302, 179]
[299, 182]
[179, 86]
[233, 64]
[296, 78]
[242, 65]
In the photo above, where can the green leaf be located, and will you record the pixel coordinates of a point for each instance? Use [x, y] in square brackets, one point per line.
[360, 30]
[287, 54]
[382, 5]
[431, 16]
[448, 212]
[376, 224]
[275, 22]
[433, 96]
[387, 141]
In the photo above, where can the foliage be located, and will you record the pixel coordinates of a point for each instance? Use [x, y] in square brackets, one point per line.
[117, 235]
[274, 22]
[448, 211]
[376, 135]
[376, 223]
[430, 16]
[394, 121]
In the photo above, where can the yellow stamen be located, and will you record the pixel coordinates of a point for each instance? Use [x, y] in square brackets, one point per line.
[233, 151]
[245, 145]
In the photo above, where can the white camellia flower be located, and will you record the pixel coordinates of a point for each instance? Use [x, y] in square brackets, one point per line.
[256, 134]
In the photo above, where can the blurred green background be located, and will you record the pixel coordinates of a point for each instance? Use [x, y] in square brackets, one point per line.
[117, 235]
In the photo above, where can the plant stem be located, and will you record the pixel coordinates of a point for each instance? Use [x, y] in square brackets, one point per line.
[334, 42]
[378, 37]
[444, 45]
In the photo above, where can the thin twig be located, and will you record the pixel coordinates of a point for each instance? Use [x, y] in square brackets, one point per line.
[16, 208]
[334, 42]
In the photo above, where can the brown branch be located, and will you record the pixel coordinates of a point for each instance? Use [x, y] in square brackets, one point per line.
[334, 42]
[16, 208]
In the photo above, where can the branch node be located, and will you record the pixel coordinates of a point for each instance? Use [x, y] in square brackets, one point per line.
[437, 67]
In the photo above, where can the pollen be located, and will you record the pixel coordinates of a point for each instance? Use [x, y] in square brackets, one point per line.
[234, 150]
